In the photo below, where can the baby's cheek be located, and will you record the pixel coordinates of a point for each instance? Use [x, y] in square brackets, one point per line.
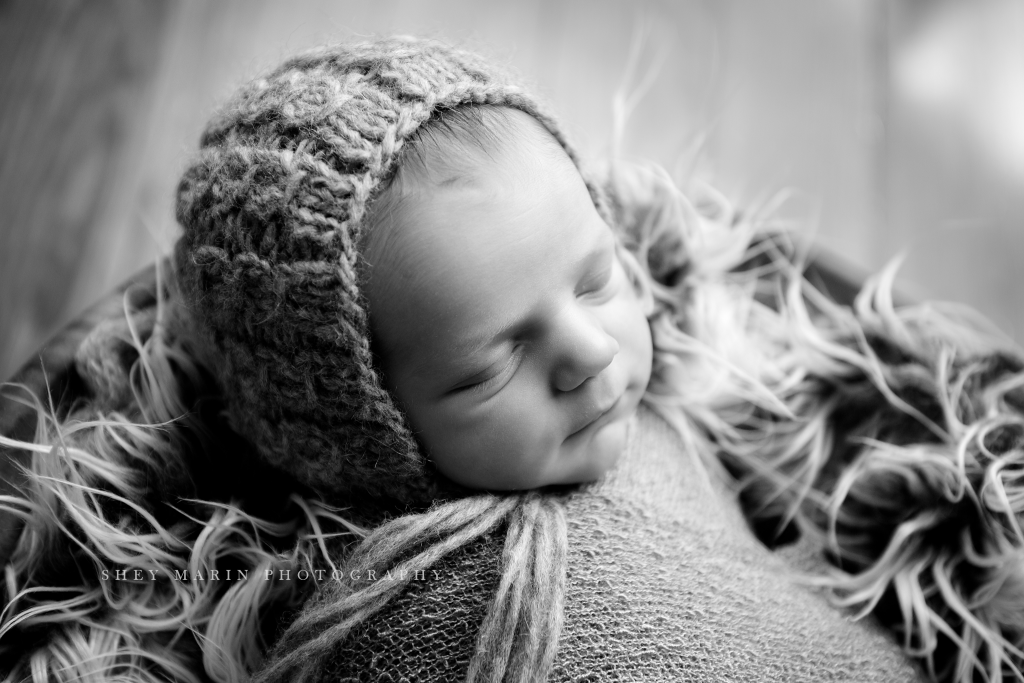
[633, 332]
[454, 438]
[534, 432]
[607, 447]
[504, 443]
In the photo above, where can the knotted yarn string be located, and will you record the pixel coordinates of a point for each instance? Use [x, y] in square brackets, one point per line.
[544, 614]
[495, 640]
[311, 638]
[396, 536]
[522, 626]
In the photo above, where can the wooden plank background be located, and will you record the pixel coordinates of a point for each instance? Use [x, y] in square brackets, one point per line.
[102, 102]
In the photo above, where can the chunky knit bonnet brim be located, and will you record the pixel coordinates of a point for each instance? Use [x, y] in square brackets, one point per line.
[273, 209]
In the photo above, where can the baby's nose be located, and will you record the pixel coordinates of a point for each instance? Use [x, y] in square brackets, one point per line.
[587, 350]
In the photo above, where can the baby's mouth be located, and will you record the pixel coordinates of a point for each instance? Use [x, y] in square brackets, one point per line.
[600, 417]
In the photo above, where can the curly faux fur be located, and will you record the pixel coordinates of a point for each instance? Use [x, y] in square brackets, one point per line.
[895, 434]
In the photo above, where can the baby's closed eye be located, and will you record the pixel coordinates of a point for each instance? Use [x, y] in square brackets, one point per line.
[491, 377]
[597, 278]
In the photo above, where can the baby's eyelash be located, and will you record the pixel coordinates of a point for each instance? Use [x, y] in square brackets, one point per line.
[598, 283]
[490, 381]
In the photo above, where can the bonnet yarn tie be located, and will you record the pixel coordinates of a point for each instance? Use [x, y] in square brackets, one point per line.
[520, 631]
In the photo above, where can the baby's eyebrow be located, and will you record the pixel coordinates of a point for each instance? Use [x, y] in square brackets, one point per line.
[596, 256]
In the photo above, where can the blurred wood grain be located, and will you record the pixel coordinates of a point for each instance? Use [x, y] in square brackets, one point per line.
[74, 78]
[102, 103]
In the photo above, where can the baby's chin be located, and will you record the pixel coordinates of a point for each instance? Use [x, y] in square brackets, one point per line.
[599, 454]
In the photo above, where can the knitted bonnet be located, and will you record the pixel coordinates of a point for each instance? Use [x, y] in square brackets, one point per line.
[273, 209]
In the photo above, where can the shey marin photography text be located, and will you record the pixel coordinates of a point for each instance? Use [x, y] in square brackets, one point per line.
[135, 574]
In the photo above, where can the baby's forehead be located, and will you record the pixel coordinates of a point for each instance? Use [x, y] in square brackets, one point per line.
[483, 231]
[520, 181]
[467, 172]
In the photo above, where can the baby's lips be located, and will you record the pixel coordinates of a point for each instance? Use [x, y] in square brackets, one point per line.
[594, 414]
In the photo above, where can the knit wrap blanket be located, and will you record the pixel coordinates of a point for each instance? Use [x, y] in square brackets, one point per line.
[664, 582]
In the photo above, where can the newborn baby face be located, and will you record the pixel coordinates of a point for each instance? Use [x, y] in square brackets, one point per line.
[505, 323]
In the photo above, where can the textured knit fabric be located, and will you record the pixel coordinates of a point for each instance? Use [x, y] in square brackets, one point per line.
[665, 583]
[273, 210]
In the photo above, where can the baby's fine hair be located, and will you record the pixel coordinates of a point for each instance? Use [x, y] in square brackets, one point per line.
[447, 144]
